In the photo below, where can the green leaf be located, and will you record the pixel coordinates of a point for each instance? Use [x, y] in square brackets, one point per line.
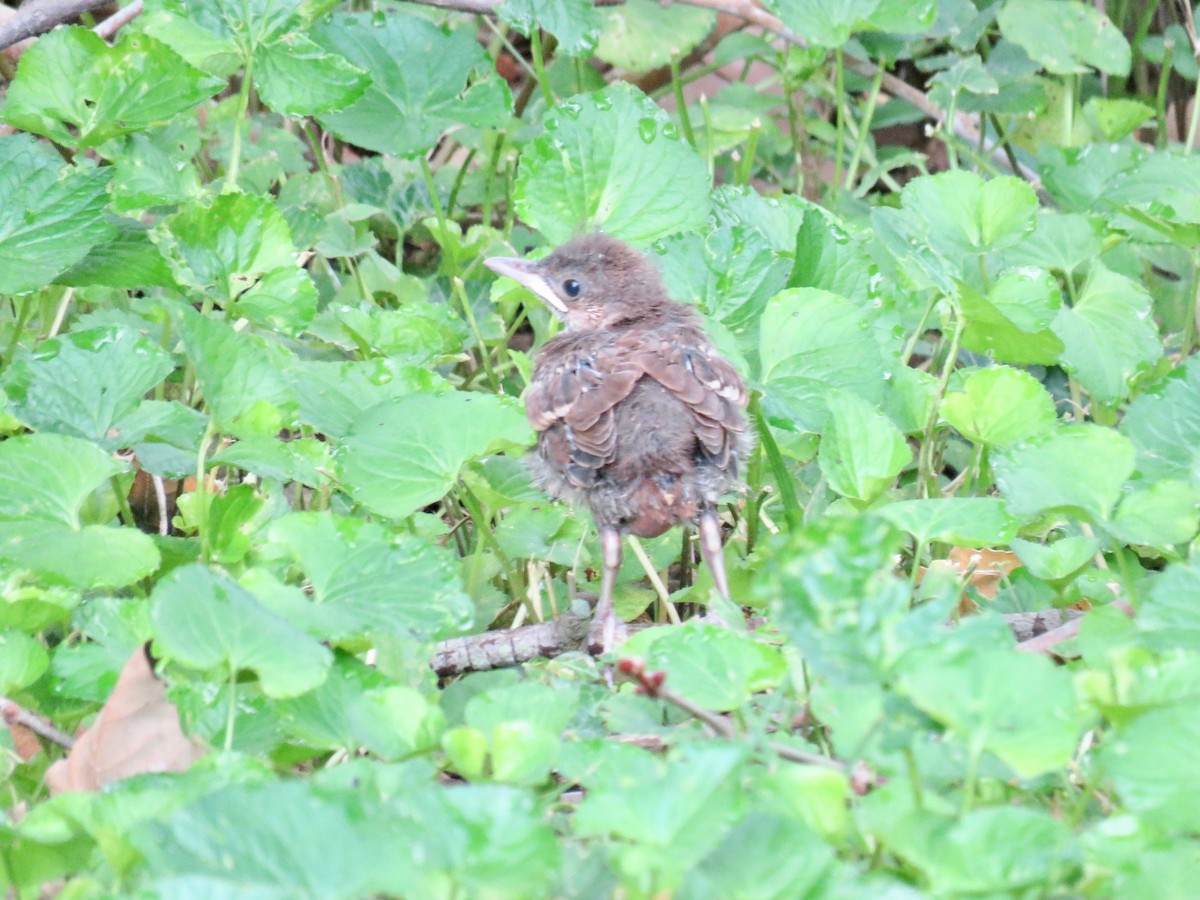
[967, 216]
[827, 257]
[823, 24]
[1108, 335]
[1079, 467]
[962, 521]
[1117, 119]
[770, 853]
[1016, 705]
[129, 261]
[1148, 764]
[833, 595]
[709, 664]
[1164, 425]
[418, 74]
[1060, 241]
[293, 841]
[240, 375]
[239, 252]
[611, 160]
[575, 23]
[205, 620]
[862, 452]
[332, 394]
[88, 384]
[401, 456]
[22, 661]
[44, 483]
[1065, 37]
[154, 167]
[680, 802]
[1013, 323]
[1060, 559]
[1000, 406]
[357, 706]
[729, 273]
[633, 34]
[1027, 848]
[296, 77]
[51, 215]
[367, 582]
[812, 342]
[1158, 515]
[78, 91]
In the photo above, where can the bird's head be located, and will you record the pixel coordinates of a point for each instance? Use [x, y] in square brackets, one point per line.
[591, 282]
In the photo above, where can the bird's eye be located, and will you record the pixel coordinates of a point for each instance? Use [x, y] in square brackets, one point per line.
[571, 287]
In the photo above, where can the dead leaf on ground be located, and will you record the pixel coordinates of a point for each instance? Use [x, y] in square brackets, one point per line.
[983, 570]
[136, 732]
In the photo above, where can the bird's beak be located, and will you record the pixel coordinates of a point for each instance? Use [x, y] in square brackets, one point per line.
[527, 274]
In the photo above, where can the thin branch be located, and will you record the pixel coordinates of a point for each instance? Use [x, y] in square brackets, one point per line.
[39, 16]
[1045, 643]
[119, 19]
[15, 714]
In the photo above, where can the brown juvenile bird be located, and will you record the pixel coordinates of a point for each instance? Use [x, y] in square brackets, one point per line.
[638, 417]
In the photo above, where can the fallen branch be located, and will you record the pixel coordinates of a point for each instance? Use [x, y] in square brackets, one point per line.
[1045, 643]
[653, 684]
[15, 714]
[511, 647]
[39, 16]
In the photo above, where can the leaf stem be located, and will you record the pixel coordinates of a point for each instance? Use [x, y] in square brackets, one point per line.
[925, 463]
[792, 510]
[24, 311]
[539, 66]
[685, 121]
[239, 122]
[231, 714]
[864, 129]
[840, 98]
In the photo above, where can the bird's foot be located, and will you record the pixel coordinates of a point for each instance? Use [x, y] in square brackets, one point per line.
[607, 632]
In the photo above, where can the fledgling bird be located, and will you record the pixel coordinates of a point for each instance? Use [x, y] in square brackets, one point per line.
[638, 417]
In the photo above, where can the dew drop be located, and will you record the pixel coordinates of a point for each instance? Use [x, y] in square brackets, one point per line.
[647, 129]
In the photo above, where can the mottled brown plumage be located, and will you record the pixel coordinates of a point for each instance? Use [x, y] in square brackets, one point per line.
[638, 417]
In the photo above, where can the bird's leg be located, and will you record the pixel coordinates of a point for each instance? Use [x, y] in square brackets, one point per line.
[710, 548]
[603, 633]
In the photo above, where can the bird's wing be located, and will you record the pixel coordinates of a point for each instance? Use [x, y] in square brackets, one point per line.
[570, 404]
[693, 371]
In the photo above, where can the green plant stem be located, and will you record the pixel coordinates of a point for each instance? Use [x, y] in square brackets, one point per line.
[840, 99]
[484, 535]
[708, 134]
[231, 714]
[911, 346]
[970, 783]
[239, 123]
[1190, 143]
[458, 183]
[864, 129]
[23, 310]
[925, 464]
[745, 167]
[914, 776]
[685, 121]
[793, 513]
[754, 474]
[539, 66]
[431, 186]
[202, 507]
[123, 502]
[1160, 105]
[485, 354]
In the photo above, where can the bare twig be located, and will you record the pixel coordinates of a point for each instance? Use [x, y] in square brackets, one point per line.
[39, 16]
[119, 19]
[500, 649]
[1045, 643]
[15, 714]
[653, 684]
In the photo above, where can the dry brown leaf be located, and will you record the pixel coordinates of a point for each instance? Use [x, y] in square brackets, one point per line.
[136, 732]
[982, 569]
